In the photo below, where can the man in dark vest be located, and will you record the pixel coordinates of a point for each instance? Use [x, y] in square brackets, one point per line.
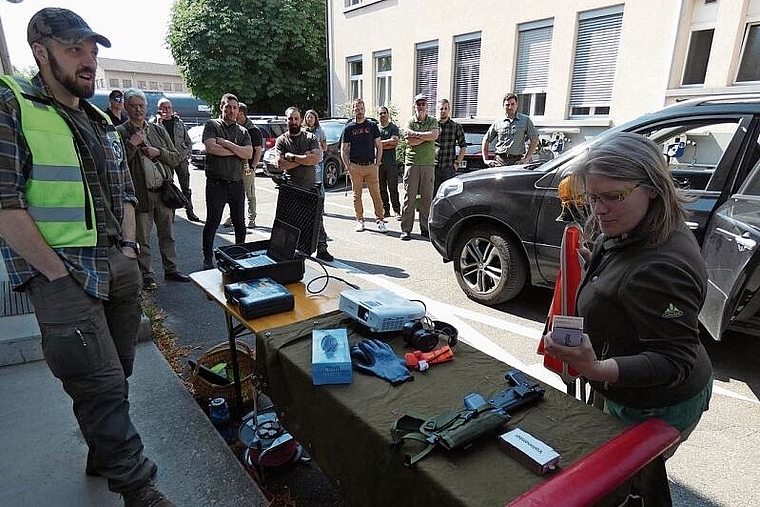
[67, 236]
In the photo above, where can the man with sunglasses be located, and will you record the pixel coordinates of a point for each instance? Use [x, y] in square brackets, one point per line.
[115, 110]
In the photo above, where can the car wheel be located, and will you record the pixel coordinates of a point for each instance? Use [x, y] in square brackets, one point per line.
[489, 267]
[331, 173]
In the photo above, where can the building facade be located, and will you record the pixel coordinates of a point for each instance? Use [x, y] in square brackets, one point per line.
[150, 77]
[578, 66]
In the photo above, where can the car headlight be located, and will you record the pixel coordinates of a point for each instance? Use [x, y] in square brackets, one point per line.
[449, 188]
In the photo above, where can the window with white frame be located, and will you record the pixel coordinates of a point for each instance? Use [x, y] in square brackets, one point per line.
[534, 46]
[596, 53]
[749, 70]
[426, 73]
[466, 75]
[349, 3]
[697, 57]
[383, 68]
[126, 83]
[355, 78]
[113, 83]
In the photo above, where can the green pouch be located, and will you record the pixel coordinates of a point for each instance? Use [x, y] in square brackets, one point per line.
[450, 430]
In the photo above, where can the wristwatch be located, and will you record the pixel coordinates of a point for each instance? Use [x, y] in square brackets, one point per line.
[134, 245]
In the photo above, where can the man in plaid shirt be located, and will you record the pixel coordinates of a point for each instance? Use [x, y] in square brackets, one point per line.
[450, 137]
[81, 272]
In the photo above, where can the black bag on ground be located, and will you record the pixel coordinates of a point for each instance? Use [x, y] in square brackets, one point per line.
[172, 195]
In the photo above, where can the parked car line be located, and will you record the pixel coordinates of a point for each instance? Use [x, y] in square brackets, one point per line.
[498, 226]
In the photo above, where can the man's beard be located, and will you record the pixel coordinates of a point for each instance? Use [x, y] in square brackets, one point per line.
[294, 129]
[70, 82]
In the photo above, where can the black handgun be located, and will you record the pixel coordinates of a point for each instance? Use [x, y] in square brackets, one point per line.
[522, 391]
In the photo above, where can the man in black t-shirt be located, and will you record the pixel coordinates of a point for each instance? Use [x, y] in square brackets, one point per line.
[361, 152]
[228, 149]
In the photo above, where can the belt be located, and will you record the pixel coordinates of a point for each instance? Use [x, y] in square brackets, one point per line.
[363, 163]
[220, 181]
[505, 155]
[155, 190]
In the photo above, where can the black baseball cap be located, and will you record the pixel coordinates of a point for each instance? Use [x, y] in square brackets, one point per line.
[115, 93]
[62, 25]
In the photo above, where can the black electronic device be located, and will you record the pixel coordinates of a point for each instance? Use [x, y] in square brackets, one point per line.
[258, 298]
[424, 334]
[275, 258]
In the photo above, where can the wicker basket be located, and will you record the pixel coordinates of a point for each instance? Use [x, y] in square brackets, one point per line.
[205, 390]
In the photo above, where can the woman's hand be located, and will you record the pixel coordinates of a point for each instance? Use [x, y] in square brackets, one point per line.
[583, 359]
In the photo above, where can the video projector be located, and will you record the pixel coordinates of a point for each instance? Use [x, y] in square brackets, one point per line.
[380, 310]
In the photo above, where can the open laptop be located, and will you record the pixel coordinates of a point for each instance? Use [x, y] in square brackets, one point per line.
[282, 247]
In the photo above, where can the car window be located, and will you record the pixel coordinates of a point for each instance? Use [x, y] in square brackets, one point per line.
[277, 129]
[333, 130]
[693, 150]
[751, 185]
[196, 134]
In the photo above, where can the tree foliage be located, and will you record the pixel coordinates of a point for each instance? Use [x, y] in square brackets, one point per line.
[270, 53]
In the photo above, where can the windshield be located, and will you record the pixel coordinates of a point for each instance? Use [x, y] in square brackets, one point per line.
[333, 130]
[196, 134]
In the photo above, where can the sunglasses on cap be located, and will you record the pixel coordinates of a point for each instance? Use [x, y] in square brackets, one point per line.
[118, 98]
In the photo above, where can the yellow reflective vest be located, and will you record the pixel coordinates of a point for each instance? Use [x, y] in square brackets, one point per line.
[57, 194]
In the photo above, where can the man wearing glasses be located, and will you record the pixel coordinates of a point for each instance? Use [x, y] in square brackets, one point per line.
[115, 109]
[150, 148]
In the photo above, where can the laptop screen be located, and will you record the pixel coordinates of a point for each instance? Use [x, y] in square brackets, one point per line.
[283, 241]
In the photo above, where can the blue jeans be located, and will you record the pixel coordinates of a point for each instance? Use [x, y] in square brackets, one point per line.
[218, 193]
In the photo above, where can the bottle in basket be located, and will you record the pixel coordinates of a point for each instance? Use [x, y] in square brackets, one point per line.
[219, 413]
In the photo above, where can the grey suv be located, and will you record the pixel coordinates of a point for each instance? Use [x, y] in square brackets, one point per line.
[498, 226]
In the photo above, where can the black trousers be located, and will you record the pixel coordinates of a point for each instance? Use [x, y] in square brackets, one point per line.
[218, 194]
[183, 176]
[388, 176]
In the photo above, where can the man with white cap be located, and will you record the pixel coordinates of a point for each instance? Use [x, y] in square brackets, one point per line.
[67, 236]
[419, 172]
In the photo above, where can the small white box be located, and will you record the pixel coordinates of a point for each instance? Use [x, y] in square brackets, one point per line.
[567, 330]
[330, 357]
[529, 451]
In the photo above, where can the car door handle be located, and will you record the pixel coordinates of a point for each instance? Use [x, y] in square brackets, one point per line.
[742, 242]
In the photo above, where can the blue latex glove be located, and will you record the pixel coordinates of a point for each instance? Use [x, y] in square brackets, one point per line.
[375, 357]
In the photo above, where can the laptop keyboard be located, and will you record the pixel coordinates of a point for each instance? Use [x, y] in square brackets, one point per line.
[256, 261]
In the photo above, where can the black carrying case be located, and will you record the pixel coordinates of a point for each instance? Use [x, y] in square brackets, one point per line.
[295, 206]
